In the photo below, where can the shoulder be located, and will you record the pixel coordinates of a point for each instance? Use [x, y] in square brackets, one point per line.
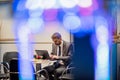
[53, 44]
[67, 43]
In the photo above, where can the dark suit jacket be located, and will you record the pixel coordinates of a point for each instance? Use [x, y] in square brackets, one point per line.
[67, 51]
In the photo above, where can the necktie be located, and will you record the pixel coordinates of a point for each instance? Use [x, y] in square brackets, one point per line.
[59, 51]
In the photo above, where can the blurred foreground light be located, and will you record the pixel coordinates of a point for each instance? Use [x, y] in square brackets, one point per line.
[68, 3]
[47, 4]
[85, 3]
[101, 26]
[71, 10]
[87, 7]
[101, 50]
[50, 14]
[26, 71]
[102, 67]
[25, 65]
[35, 24]
[72, 22]
[87, 25]
[21, 5]
[87, 22]
[32, 4]
[99, 20]
[42, 4]
[23, 33]
[36, 13]
[102, 34]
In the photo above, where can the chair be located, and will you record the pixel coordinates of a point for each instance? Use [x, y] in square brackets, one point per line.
[8, 56]
[14, 69]
[14, 73]
[5, 64]
[42, 75]
[67, 73]
[4, 75]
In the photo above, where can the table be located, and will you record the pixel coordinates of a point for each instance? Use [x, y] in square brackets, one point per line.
[41, 63]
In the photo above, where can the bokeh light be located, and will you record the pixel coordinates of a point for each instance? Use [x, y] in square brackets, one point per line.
[68, 3]
[102, 30]
[36, 13]
[102, 68]
[25, 66]
[50, 15]
[71, 10]
[35, 24]
[42, 4]
[25, 33]
[72, 22]
[85, 3]
[99, 20]
[32, 4]
[21, 5]
[87, 7]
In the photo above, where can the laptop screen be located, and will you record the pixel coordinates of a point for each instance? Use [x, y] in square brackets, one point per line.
[43, 53]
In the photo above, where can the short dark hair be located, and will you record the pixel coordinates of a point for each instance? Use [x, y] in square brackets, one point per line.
[56, 35]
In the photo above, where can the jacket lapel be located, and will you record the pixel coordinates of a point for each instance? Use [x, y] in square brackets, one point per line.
[64, 49]
[55, 50]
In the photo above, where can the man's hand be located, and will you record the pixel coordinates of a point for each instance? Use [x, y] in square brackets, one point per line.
[61, 62]
[54, 57]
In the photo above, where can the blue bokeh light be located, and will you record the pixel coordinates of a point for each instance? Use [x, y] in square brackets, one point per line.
[68, 3]
[85, 3]
[72, 22]
[102, 68]
[42, 4]
[35, 24]
[36, 13]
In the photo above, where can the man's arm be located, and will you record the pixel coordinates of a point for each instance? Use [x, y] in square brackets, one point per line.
[63, 57]
[53, 50]
[68, 56]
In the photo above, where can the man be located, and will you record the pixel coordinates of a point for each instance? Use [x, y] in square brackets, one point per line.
[62, 52]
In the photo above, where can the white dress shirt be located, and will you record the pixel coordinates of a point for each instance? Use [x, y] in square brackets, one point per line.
[61, 45]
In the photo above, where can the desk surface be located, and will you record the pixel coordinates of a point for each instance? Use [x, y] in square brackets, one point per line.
[43, 62]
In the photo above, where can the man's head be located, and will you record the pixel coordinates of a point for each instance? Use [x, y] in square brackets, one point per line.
[57, 39]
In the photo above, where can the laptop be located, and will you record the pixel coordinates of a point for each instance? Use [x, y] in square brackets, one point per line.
[47, 61]
[43, 53]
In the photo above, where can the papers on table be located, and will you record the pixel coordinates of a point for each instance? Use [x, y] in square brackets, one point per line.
[44, 62]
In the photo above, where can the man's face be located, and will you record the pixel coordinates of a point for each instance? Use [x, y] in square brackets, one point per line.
[57, 41]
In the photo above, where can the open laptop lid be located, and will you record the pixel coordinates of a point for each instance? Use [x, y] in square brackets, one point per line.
[43, 53]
